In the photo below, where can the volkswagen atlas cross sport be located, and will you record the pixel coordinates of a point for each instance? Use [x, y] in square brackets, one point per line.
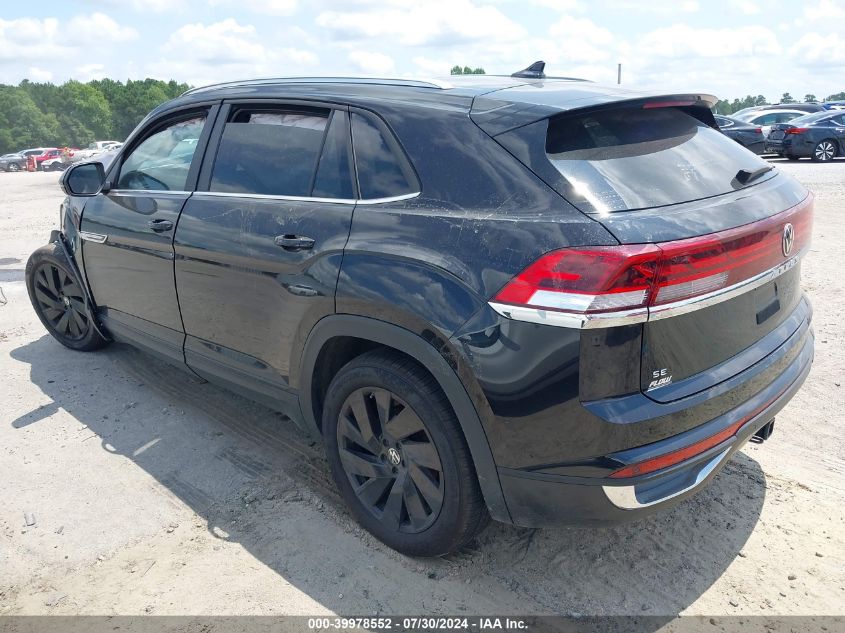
[539, 300]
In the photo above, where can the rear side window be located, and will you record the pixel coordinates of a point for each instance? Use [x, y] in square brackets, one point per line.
[383, 171]
[617, 160]
[269, 152]
[334, 172]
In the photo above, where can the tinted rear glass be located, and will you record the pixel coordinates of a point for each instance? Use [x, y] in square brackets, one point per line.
[269, 152]
[382, 172]
[334, 173]
[618, 160]
[812, 118]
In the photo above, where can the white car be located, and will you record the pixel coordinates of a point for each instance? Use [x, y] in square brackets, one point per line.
[97, 147]
[767, 118]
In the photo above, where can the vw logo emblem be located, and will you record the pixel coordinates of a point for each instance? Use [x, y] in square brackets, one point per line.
[393, 456]
[788, 238]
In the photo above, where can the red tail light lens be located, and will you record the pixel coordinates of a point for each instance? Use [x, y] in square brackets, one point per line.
[758, 130]
[796, 130]
[614, 278]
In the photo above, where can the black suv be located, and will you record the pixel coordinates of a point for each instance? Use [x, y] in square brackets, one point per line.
[538, 300]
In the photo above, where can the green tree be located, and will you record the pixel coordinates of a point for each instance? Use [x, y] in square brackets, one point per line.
[810, 98]
[466, 70]
[22, 123]
[839, 96]
[787, 98]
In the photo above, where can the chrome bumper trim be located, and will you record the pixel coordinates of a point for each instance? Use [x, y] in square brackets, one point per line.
[625, 497]
[641, 315]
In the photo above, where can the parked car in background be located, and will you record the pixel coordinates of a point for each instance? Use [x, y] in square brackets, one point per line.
[834, 105]
[800, 107]
[12, 162]
[766, 118]
[52, 153]
[97, 147]
[820, 136]
[747, 135]
[481, 314]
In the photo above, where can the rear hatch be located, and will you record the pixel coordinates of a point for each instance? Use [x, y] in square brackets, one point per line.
[720, 285]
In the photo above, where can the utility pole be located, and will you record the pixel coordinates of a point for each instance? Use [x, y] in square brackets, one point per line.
[619, 73]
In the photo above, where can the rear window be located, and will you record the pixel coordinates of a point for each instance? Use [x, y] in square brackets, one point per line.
[811, 118]
[383, 171]
[618, 160]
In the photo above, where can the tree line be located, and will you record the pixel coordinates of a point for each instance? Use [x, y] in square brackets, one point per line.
[74, 114]
[729, 107]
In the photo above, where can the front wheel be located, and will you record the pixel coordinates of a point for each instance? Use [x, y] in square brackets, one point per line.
[824, 151]
[399, 458]
[59, 300]
[14, 167]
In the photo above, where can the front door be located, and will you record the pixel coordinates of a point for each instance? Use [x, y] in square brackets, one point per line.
[258, 247]
[127, 233]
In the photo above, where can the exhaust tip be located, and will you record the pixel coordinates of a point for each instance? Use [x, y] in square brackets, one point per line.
[764, 432]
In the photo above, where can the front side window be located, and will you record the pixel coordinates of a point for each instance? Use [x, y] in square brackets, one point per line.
[162, 161]
[270, 152]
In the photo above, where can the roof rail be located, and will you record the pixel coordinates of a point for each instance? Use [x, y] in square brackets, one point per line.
[411, 83]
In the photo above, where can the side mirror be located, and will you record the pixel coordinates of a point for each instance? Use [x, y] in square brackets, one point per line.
[86, 179]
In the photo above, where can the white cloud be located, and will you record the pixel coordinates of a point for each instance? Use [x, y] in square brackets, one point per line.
[27, 39]
[227, 50]
[261, 7]
[98, 28]
[39, 74]
[581, 40]
[682, 41]
[825, 10]
[747, 7]
[439, 22]
[819, 50]
[372, 63]
[87, 72]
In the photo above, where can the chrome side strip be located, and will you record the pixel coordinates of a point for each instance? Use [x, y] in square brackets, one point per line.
[625, 497]
[93, 237]
[641, 315]
[257, 196]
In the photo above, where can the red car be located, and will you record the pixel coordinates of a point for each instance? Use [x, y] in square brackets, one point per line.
[48, 153]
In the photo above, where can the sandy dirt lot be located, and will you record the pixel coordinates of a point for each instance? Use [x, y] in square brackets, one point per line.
[149, 493]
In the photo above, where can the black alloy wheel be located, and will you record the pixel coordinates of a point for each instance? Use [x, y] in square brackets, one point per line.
[61, 301]
[390, 459]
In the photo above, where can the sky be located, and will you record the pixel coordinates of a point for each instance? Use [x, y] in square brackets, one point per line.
[729, 48]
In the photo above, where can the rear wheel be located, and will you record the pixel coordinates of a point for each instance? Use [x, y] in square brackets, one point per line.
[59, 300]
[399, 458]
[824, 151]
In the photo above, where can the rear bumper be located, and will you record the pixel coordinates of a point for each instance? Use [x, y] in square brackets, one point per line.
[537, 499]
[791, 146]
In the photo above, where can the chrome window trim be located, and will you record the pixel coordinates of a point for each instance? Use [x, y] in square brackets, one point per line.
[155, 192]
[642, 315]
[625, 497]
[261, 196]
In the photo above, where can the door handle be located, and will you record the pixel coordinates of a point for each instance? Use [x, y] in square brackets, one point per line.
[294, 242]
[160, 226]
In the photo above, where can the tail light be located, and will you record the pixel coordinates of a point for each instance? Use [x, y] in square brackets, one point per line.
[795, 130]
[611, 279]
[758, 130]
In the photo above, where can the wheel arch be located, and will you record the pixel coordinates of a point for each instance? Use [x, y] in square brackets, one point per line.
[356, 335]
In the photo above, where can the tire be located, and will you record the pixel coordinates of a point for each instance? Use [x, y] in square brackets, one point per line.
[59, 301]
[410, 482]
[824, 151]
[14, 167]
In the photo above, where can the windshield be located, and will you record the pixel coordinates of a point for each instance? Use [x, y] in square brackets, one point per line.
[617, 160]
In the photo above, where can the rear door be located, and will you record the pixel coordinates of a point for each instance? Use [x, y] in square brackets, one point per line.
[258, 247]
[127, 232]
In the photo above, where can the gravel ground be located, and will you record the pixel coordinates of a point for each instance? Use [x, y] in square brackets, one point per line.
[127, 488]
